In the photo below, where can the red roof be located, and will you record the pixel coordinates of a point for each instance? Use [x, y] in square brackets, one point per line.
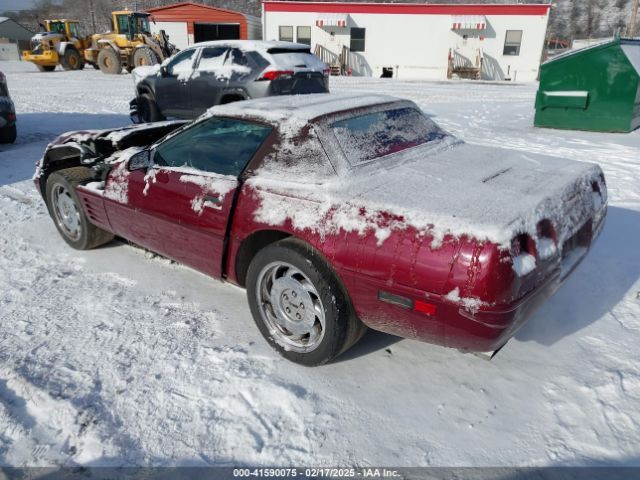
[191, 5]
[408, 8]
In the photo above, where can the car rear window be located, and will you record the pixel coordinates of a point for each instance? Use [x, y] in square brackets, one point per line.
[366, 137]
[298, 58]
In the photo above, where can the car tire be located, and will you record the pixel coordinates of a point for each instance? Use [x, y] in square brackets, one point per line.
[109, 61]
[46, 68]
[144, 56]
[8, 134]
[67, 212]
[148, 109]
[72, 60]
[293, 275]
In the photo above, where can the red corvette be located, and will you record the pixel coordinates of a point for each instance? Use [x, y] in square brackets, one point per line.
[336, 213]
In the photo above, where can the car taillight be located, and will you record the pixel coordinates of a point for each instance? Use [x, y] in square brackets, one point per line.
[326, 72]
[523, 254]
[272, 75]
[545, 229]
[546, 243]
[523, 244]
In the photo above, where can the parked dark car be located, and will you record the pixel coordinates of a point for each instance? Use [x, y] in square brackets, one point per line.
[214, 73]
[8, 130]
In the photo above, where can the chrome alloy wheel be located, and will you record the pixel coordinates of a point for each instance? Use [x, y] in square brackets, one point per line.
[66, 212]
[290, 307]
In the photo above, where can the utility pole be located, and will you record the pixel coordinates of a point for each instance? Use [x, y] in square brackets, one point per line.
[633, 23]
[92, 11]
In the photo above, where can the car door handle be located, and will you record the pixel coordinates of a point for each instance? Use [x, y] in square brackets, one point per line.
[212, 198]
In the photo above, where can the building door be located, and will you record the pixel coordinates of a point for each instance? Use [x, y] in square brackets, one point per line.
[177, 32]
[204, 32]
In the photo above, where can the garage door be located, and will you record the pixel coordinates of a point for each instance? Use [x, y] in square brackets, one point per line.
[204, 32]
[177, 32]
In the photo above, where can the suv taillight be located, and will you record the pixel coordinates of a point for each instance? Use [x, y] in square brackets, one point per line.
[272, 75]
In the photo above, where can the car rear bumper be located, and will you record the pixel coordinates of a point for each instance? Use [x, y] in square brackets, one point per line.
[479, 327]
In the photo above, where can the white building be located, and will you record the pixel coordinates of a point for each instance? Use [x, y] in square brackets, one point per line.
[416, 41]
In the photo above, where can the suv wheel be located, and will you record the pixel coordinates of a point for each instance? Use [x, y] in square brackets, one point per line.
[148, 109]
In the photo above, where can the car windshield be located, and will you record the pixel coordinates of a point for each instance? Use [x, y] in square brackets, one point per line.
[366, 137]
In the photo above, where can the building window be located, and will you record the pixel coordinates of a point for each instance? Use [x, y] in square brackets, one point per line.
[304, 35]
[512, 42]
[286, 34]
[357, 39]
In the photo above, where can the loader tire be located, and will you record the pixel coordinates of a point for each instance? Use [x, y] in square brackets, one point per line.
[148, 109]
[109, 61]
[72, 60]
[46, 68]
[67, 211]
[144, 56]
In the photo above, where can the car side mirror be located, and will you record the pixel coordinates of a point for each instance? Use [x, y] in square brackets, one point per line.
[140, 161]
[164, 71]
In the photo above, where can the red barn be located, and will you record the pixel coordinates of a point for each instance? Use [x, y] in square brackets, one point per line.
[187, 23]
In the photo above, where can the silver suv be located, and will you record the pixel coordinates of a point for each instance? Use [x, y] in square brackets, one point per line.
[214, 73]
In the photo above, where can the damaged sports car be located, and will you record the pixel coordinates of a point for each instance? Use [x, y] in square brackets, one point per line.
[336, 213]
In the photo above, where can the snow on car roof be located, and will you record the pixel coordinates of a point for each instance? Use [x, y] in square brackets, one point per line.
[289, 108]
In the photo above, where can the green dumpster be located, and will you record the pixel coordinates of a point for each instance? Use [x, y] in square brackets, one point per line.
[596, 88]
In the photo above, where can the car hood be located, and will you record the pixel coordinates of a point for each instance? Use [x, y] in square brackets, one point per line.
[140, 73]
[119, 137]
[450, 189]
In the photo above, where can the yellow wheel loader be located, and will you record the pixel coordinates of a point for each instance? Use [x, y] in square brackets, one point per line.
[59, 43]
[130, 44]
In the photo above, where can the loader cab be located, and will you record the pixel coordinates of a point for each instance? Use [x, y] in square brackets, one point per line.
[69, 28]
[131, 24]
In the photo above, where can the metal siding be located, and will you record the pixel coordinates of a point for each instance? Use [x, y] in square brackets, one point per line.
[192, 13]
[408, 8]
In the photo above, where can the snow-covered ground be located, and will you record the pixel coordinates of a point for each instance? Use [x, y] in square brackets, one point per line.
[118, 357]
